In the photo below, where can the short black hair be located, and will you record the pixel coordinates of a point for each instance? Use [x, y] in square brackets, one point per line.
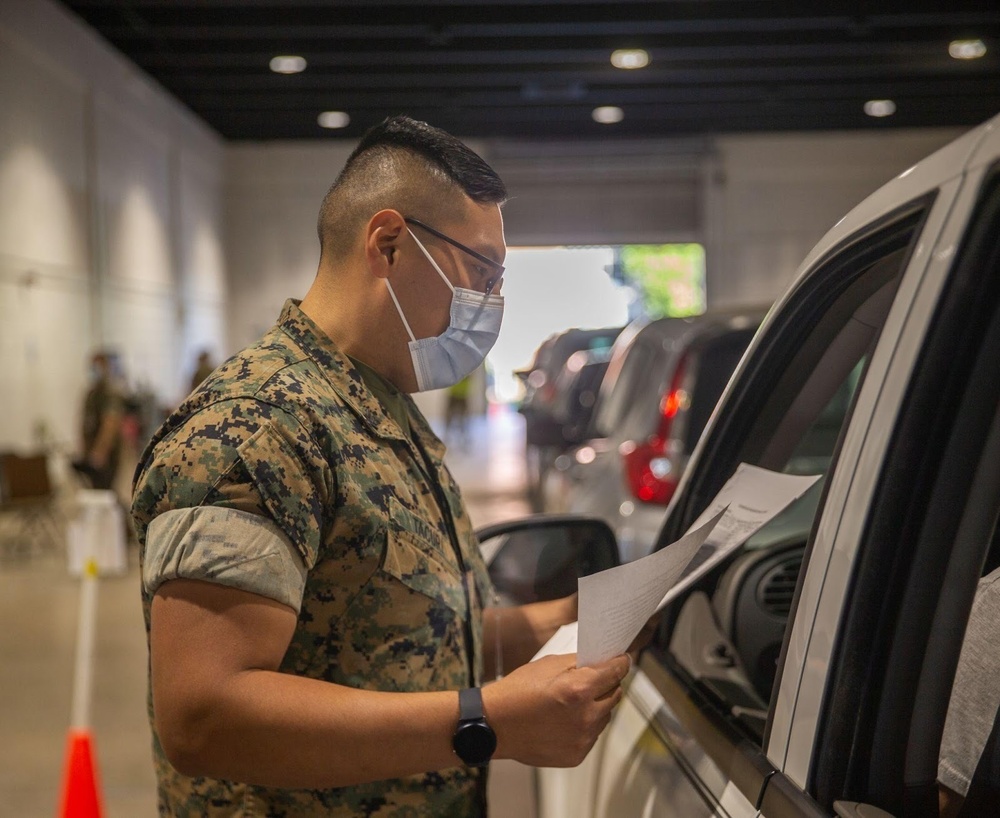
[408, 165]
[460, 163]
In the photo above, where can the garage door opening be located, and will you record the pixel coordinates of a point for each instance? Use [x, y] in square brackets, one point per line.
[551, 289]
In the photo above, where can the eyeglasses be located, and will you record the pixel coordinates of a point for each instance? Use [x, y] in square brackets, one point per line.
[493, 265]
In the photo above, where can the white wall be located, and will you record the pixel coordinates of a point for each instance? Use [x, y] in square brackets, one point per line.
[757, 202]
[113, 199]
[110, 224]
[770, 197]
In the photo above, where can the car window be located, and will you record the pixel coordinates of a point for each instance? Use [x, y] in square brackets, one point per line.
[622, 413]
[726, 636]
[715, 365]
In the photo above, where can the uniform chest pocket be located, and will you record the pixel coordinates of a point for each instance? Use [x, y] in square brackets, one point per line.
[413, 557]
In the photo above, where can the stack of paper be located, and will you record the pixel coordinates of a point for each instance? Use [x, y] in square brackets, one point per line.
[614, 605]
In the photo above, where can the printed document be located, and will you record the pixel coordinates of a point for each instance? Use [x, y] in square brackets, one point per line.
[614, 605]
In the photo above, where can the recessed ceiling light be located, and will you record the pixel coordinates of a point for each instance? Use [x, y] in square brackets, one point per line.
[629, 58]
[880, 107]
[967, 49]
[288, 64]
[333, 119]
[608, 114]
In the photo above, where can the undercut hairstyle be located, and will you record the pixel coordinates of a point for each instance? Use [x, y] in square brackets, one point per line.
[408, 166]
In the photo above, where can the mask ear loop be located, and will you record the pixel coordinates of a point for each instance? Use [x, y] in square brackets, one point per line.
[399, 310]
[430, 258]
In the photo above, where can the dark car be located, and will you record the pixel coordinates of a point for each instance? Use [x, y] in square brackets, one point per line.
[662, 383]
[544, 405]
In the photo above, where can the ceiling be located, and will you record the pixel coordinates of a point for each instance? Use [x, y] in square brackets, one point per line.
[536, 70]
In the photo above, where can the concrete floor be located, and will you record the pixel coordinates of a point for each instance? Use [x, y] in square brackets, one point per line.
[39, 603]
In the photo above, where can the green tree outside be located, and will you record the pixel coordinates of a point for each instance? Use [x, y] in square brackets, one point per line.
[669, 277]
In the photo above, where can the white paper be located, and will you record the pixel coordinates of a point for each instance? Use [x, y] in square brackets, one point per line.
[562, 641]
[616, 602]
[752, 497]
[614, 605]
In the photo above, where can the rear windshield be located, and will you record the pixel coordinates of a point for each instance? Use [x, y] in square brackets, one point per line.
[716, 365]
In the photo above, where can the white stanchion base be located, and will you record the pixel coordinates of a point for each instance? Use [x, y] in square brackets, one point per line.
[97, 532]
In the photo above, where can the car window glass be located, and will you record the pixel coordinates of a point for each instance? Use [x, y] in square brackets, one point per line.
[715, 366]
[617, 415]
[727, 635]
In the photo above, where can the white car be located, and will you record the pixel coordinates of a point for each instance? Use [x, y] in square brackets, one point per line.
[811, 674]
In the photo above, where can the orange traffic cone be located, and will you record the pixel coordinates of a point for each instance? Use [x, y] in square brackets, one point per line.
[81, 793]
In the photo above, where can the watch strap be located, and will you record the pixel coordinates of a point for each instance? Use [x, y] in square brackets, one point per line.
[470, 704]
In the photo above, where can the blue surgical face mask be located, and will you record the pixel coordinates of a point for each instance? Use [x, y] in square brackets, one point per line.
[443, 360]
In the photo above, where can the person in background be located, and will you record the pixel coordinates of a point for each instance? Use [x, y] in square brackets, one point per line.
[203, 369]
[102, 423]
[320, 619]
[456, 418]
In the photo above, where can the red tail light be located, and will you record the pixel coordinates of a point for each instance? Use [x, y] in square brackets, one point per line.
[650, 471]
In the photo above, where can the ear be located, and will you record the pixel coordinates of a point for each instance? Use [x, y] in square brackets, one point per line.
[382, 237]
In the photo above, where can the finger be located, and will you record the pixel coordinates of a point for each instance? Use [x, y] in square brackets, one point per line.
[611, 698]
[610, 674]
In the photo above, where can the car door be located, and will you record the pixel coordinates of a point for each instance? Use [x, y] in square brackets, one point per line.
[919, 519]
[710, 716]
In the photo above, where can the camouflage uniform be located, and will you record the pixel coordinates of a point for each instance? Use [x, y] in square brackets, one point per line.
[283, 475]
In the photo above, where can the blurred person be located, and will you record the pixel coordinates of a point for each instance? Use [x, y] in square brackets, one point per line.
[317, 606]
[101, 429]
[456, 417]
[203, 368]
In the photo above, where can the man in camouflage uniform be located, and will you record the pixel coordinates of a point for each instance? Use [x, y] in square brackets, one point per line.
[101, 426]
[312, 588]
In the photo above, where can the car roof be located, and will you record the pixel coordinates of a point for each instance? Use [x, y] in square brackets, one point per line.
[688, 328]
[979, 145]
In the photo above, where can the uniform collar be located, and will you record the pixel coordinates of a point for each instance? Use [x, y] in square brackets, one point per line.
[347, 381]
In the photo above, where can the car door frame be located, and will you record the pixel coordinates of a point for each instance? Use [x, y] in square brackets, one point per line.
[748, 766]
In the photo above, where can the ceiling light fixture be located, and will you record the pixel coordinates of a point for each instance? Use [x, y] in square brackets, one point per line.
[608, 114]
[333, 119]
[288, 64]
[880, 107]
[967, 49]
[629, 58]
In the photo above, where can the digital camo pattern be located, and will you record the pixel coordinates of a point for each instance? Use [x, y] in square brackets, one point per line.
[288, 429]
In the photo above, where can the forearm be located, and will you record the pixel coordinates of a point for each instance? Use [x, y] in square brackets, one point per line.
[522, 631]
[223, 710]
[279, 730]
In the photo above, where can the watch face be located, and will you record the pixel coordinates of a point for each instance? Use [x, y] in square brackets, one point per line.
[474, 743]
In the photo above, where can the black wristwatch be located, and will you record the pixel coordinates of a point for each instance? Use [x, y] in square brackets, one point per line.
[474, 741]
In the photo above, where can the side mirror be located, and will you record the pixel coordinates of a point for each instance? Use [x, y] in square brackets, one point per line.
[542, 557]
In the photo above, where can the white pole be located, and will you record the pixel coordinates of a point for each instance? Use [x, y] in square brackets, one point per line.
[86, 626]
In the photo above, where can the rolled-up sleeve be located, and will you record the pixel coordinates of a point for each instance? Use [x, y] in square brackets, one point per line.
[235, 496]
[225, 546]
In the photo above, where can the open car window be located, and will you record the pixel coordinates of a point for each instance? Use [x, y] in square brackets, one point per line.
[725, 637]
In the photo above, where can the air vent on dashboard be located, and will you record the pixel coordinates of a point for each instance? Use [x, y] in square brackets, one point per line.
[776, 589]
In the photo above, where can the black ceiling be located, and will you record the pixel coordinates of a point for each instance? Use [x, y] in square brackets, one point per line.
[536, 70]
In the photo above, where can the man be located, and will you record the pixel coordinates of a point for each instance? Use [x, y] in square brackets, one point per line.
[101, 427]
[312, 587]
